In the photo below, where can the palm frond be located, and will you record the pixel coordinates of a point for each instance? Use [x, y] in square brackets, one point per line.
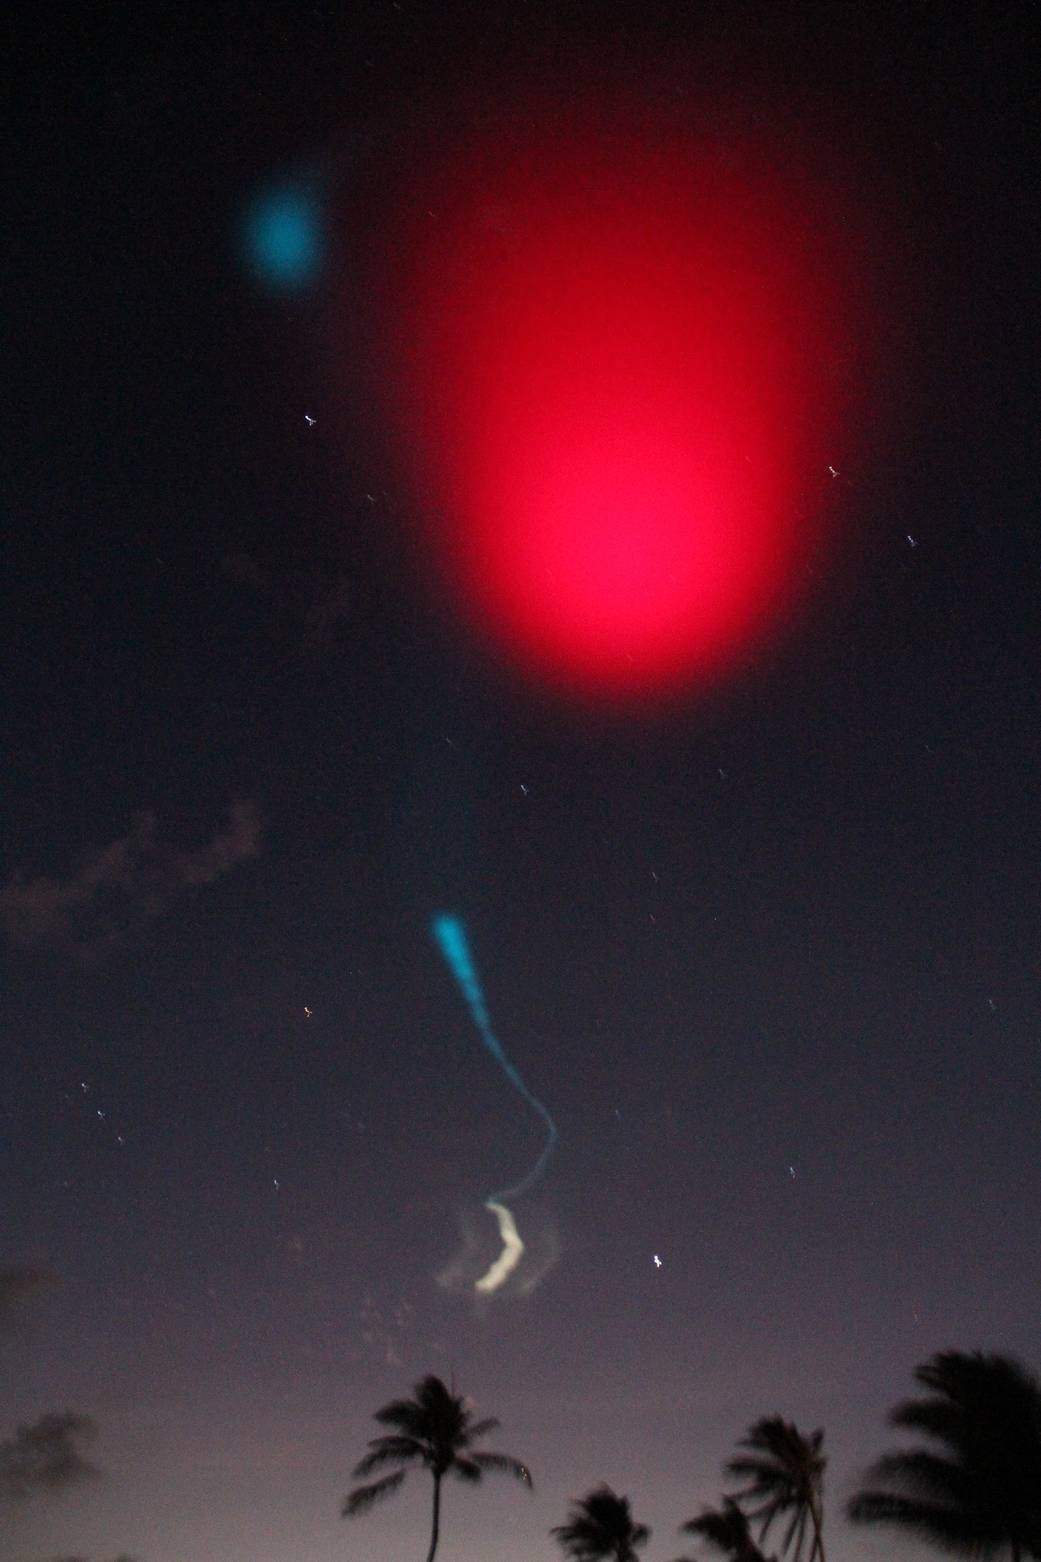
[750, 1467]
[721, 1526]
[725, 1530]
[503, 1464]
[944, 1423]
[405, 1414]
[940, 1525]
[364, 1497]
[388, 1450]
[921, 1473]
[583, 1540]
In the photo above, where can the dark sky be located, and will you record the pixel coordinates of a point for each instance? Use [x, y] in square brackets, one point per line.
[769, 956]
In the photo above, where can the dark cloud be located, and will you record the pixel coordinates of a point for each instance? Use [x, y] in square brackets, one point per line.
[132, 880]
[17, 1283]
[46, 1457]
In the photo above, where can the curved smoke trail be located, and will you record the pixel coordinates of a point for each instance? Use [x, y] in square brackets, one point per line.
[449, 934]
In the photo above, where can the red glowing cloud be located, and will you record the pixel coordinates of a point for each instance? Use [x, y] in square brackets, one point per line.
[612, 383]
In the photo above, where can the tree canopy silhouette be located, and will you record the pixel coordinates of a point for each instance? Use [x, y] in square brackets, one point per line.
[783, 1473]
[600, 1528]
[976, 1487]
[435, 1431]
[46, 1456]
[727, 1532]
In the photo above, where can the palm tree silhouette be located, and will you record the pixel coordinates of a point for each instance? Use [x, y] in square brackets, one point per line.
[784, 1472]
[727, 1532]
[433, 1430]
[977, 1489]
[600, 1528]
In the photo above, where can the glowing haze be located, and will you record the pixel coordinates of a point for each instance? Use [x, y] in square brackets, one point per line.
[614, 381]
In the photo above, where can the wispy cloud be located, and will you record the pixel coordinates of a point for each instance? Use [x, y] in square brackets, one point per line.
[132, 880]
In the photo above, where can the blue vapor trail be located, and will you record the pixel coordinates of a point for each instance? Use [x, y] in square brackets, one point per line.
[449, 934]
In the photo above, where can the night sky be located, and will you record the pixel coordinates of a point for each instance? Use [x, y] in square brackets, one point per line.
[766, 950]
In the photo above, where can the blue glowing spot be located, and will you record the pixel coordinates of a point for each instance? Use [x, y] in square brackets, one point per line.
[284, 237]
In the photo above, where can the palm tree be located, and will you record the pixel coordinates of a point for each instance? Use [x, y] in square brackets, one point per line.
[726, 1531]
[784, 1472]
[600, 1528]
[433, 1430]
[977, 1488]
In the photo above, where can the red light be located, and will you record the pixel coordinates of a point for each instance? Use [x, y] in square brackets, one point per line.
[611, 374]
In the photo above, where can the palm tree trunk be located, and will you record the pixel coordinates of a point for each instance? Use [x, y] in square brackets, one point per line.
[817, 1549]
[436, 1526]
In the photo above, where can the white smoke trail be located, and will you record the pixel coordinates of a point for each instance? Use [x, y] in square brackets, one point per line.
[512, 1250]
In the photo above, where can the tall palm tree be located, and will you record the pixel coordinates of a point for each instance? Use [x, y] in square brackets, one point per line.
[433, 1430]
[601, 1528]
[784, 1475]
[977, 1488]
[727, 1532]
